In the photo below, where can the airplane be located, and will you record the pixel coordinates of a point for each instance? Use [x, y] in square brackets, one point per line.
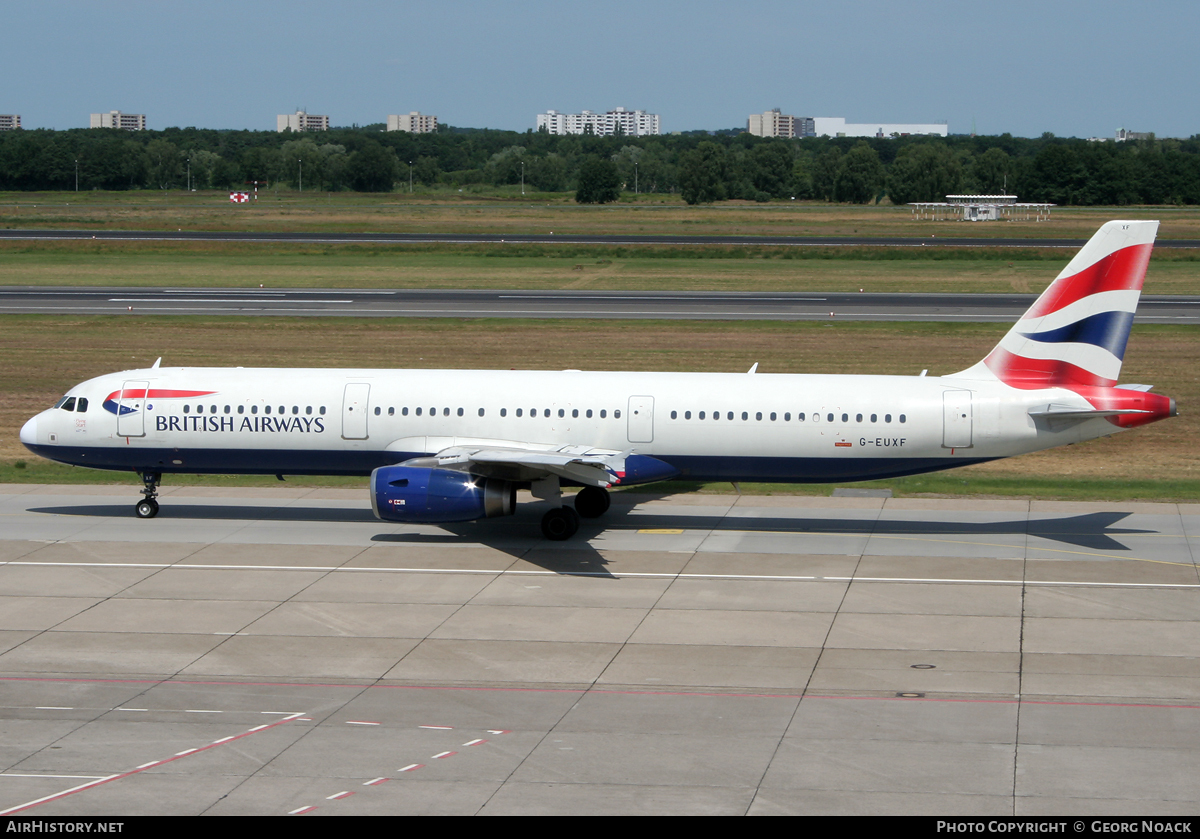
[455, 445]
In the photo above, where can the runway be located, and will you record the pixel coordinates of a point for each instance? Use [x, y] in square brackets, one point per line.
[503, 303]
[551, 238]
[275, 651]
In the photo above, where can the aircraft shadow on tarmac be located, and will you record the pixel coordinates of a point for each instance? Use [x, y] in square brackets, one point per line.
[1090, 530]
[517, 535]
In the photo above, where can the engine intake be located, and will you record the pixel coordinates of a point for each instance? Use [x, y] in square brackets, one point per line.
[430, 496]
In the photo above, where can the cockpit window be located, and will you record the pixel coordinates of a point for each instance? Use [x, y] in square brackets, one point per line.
[81, 405]
[60, 402]
[69, 404]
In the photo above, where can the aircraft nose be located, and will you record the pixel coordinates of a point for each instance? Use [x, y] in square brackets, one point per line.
[29, 432]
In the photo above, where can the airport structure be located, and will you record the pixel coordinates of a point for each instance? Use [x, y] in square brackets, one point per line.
[616, 121]
[414, 122]
[772, 123]
[301, 121]
[1123, 135]
[10, 122]
[116, 119]
[838, 127]
[980, 208]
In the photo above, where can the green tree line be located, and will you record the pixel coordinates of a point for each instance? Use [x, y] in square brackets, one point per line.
[699, 166]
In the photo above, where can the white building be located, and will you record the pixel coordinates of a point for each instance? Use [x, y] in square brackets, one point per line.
[301, 121]
[116, 119]
[838, 127]
[414, 122]
[10, 122]
[774, 124]
[616, 121]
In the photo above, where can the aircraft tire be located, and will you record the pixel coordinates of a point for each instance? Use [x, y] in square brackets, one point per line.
[592, 502]
[560, 524]
[146, 508]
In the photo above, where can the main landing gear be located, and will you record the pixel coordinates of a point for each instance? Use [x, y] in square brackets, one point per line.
[561, 523]
[147, 508]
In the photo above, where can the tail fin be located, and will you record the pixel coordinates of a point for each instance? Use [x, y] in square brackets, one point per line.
[1075, 333]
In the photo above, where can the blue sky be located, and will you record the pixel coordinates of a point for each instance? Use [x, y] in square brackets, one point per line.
[1074, 68]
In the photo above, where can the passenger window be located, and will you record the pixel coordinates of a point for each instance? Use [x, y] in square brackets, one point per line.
[758, 416]
[296, 410]
[391, 412]
[460, 412]
[253, 409]
[241, 409]
[603, 414]
[418, 412]
[746, 416]
[199, 409]
[227, 409]
[716, 415]
[887, 417]
[546, 413]
[701, 415]
[829, 418]
[788, 417]
[902, 418]
[687, 414]
[322, 410]
[845, 418]
[561, 412]
[816, 417]
[730, 415]
[617, 414]
[589, 413]
[69, 405]
[574, 412]
[504, 412]
[858, 418]
[187, 408]
[282, 409]
[518, 412]
[267, 409]
[308, 410]
[673, 415]
[404, 412]
[378, 410]
[874, 417]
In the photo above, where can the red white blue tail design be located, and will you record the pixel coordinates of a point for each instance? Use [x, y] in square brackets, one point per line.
[1074, 335]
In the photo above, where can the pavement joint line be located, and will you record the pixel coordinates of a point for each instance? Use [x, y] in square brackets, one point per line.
[98, 781]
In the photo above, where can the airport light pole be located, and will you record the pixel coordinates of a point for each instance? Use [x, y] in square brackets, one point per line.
[77, 174]
[522, 177]
[410, 177]
[300, 160]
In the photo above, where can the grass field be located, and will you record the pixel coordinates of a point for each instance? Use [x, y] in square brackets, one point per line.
[709, 268]
[42, 356]
[504, 211]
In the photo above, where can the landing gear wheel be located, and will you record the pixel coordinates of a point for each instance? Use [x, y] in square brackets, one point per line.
[592, 502]
[560, 524]
[147, 508]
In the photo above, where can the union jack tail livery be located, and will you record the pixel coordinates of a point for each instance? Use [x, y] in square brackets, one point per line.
[1074, 335]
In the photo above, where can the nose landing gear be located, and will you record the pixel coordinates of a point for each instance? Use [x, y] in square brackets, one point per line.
[147, 508]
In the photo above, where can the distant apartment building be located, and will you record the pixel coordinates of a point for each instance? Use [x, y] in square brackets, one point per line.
[772, 123]
[301, 121]
[414, 122]
[616, 121]
[116, 119]
[838, 127]
[1124, 135]
[10, 122]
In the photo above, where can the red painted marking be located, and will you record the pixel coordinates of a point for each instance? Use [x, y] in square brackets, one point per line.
[498, 731]
[412, 767]
[307, 809]
[375, 782]
[444, 754]
[474, 742]
[339, 796]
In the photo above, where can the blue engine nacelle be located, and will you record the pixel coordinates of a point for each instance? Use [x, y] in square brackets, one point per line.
[431, 496]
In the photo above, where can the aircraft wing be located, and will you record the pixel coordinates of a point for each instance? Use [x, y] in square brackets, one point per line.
[513, 461]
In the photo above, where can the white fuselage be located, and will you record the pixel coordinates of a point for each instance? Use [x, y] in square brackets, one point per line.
[713, 426]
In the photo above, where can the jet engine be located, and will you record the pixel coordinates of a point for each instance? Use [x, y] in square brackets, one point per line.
[431, 496]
